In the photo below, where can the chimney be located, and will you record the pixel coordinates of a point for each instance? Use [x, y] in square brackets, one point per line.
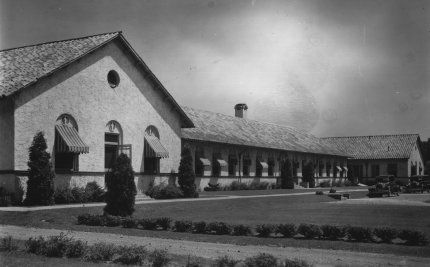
[240, 110]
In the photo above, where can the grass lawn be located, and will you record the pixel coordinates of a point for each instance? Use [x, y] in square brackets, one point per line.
[285, 209]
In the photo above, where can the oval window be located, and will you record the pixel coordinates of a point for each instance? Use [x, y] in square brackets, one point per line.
[113, 78]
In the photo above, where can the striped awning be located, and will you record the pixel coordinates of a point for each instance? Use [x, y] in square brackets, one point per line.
[69, 140]
[339, 168]
[222, 162]
[154, 148]
[263, 164]
[345, 168]
[205, 161]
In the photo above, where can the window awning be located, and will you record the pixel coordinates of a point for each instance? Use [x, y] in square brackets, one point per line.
[154, 148]
[263, 164]
[339, 168]
[222, 162]
[345, 168]
[69, 140]
[205, 161]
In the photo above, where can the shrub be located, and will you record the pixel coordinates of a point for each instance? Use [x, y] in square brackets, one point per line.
[385, 234]
[92, 220]
[40, 184]
[325, 184]
[261, 260]
[112, 221]
[218, 228]
[129, 222]
[199, 227]
[296, 263]
[264, 230]
[56, 246]
[350, 183]
[159, 258]
[8, 244]
[121, 189]
[234, 186]
[241, 230]
[358, 233]
[163, 222]
[76, 249]
[148, 224]
[186, 175]
[63, 196]
[79, 195]
[332, 191]
[183, 226]
[258, 186]
[192, 262]
[319, 192]
[309, 230]
[225, 261]
[100, 252]
[35, 245]
[287, 175]
[286, 230]
[162, 191]
[212, 187]
[94, 192]
[414, 238]
[331, 232]
[132, 255]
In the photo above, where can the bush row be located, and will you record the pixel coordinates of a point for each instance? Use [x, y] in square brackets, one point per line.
[308, 231]
[64, 246]
[92, 192]
[235, 186]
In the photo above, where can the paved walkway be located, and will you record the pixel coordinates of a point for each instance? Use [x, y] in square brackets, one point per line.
[319, 257]
[152, 201]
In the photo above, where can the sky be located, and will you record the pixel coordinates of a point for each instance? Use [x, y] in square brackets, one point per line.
[329, 67]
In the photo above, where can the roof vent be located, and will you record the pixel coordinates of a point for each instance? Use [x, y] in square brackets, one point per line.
[240, 110]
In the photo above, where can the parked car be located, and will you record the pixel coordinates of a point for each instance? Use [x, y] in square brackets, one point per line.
[418, 184]
[385, 185]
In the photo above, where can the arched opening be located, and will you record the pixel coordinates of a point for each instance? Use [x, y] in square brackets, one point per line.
[113, 141]
[153, 151]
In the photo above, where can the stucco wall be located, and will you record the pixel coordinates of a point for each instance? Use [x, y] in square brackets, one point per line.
[366, 166]
[6, 135]
[416, 159]
[82, 90]
[202, 182]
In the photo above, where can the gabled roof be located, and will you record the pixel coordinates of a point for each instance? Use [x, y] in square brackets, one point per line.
[398, 146]
[220, 128]
[23, 66]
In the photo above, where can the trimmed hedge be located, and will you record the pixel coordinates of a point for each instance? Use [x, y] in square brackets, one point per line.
[308, 231]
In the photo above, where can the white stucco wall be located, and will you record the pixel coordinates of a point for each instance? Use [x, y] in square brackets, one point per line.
[82, 90]
[415, 158]
[6, 135]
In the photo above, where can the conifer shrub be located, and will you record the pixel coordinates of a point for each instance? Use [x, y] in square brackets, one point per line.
[186, 175]
[287, 181]
[40, 184]
[286, 230]
[241, 230]
[261, 260]
[309, 230]
[386, 234]
[264, 230]
[121, 189]
[332, 232]
[199, 227]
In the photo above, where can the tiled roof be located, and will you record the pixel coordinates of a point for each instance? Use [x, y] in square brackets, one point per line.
[22, 66]
[376, 146]
[220, 128]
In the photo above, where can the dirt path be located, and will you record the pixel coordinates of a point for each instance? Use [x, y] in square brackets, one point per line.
[319, 257]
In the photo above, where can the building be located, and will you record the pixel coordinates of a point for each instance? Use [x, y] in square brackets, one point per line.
[234, 148]
[93, 97]
[399, 155]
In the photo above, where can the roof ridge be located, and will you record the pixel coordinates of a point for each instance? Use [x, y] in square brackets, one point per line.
[234, 117]
[58, 41]
[374, 135]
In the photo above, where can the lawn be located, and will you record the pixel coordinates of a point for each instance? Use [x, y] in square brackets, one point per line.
[252, 211]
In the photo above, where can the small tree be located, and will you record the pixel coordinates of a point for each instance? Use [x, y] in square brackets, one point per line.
[121, 189]
[286, 175]
[186, 175]
[308, 174]
[40, 184]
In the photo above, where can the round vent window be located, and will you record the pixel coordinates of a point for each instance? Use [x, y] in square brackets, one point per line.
[113, 78]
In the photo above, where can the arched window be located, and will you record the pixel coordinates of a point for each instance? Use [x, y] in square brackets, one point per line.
[113, 140]
[68, 144]
[153, 151]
